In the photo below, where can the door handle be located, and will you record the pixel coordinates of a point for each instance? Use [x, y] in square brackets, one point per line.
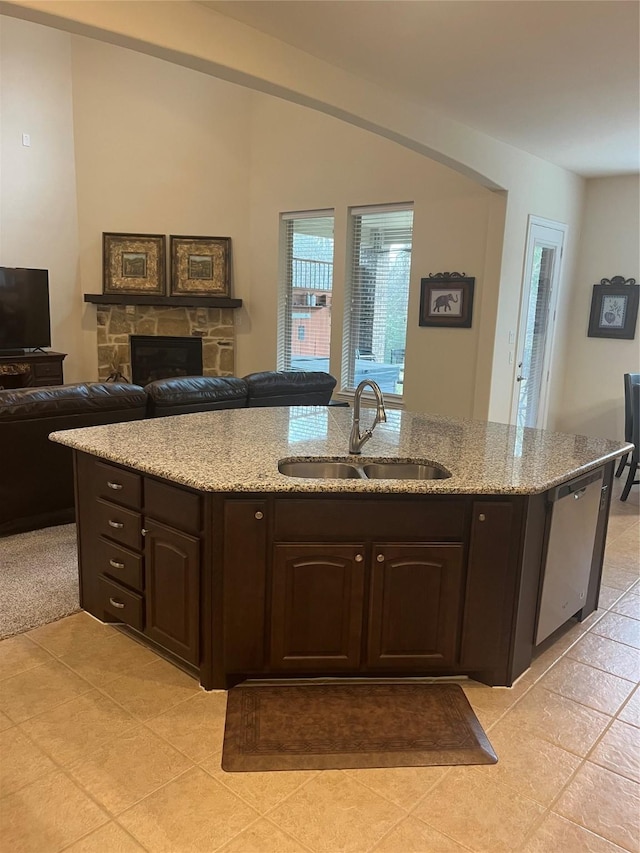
[117, 525]
[520, 378]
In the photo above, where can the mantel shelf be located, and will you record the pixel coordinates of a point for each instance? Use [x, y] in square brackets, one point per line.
[169, 301]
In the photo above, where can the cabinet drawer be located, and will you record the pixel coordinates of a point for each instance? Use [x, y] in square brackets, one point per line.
[123, 604]
[116, 484]
[121, 564]
[46, 370]
[120, 524]
[174, 506]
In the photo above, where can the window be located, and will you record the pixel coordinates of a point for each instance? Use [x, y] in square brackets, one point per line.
[306, 284]
[378, 294]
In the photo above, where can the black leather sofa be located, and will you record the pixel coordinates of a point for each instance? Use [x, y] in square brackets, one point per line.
[179, 395]
[36, 477]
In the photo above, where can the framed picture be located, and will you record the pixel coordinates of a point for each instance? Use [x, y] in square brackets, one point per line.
[134, 263]
[200, 266]
[446, 299]
[614, 308]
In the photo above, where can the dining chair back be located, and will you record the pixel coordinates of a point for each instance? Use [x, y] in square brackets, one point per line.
[630, 379]
[635, 438]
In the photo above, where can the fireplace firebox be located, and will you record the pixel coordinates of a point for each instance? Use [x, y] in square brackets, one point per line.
[159, 357]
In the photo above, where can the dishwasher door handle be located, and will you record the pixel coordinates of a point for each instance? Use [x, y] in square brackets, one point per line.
[579, 494]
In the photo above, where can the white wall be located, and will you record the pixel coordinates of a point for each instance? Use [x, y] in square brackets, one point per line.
[592, 400]
[38, 218]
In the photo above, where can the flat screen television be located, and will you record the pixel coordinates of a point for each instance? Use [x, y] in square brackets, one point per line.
[25, 322]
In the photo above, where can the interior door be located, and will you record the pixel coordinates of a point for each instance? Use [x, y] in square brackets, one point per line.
[537, 321]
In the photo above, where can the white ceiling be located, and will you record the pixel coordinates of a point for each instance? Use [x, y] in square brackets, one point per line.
[557, 78]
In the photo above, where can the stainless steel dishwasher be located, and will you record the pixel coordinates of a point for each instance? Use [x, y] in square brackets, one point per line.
[574, 517]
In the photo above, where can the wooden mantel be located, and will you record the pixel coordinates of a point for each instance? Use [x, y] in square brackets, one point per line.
[169, 301]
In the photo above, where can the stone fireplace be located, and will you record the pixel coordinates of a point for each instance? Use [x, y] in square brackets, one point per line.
[116, 323]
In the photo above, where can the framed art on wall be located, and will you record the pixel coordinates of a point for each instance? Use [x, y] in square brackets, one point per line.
[134, 263]
[446, 299]
[614, 308]
[200, 266]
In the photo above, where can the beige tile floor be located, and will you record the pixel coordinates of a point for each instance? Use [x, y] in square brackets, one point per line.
[106, 748]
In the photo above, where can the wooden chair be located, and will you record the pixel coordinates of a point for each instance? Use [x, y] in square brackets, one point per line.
[630, 379]
[635, 438]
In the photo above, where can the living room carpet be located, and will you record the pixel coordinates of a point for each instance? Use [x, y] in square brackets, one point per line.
[331, 726]
[38, 578]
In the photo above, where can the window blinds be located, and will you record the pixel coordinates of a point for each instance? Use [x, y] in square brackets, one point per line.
[306, 284]
[378, 295]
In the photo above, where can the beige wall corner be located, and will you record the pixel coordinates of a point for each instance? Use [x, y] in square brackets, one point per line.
[592, 398]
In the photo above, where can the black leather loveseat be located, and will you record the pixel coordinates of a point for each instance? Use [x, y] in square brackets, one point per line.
[36, 475]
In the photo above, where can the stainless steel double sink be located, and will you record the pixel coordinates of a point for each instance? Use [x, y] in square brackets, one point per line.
[337, 469]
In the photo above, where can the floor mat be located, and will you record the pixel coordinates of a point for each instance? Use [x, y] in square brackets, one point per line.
[332, 726]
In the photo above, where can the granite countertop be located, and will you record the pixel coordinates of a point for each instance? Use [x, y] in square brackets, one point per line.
[237, 450]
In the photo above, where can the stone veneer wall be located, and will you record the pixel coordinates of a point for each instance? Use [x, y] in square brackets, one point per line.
[117, 322]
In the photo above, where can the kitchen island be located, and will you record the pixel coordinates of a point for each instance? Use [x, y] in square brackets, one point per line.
[191, 537]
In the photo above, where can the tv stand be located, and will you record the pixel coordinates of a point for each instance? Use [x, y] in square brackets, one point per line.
[20, 369]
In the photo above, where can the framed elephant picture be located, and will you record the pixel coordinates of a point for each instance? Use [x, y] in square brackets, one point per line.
[446, 299]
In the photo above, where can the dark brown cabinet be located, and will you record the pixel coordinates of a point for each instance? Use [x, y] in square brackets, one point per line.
[235, 586]
[414, 605]
[317, 607]
[323, 596]
[32, 369]
[140, 557]
[172, 571]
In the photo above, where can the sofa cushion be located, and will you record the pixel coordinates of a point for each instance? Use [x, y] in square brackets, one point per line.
[60, 400]
[290, 388]
[183, 394]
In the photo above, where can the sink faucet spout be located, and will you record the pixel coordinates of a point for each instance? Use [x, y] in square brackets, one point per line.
[358, 439]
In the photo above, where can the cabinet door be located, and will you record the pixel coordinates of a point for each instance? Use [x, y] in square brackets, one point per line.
[172, 574]
[317, 607]
[414, 605]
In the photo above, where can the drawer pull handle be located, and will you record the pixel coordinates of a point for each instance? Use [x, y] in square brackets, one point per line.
[117, 525]
[116, 486]
[116, 564]
[116, 603]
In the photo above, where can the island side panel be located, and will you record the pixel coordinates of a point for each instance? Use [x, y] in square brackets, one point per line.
[493, 573]
[245, 529]
[595, 579]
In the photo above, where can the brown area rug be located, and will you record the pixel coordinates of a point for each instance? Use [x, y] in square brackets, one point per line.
[333, 726]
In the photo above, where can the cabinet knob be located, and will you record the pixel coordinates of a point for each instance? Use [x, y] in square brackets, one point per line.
[118, 525]
[482, 517]
[116, 603]
[359, 558]
[380, 558]
[116, 486]
[144, 531]
[259, 515]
